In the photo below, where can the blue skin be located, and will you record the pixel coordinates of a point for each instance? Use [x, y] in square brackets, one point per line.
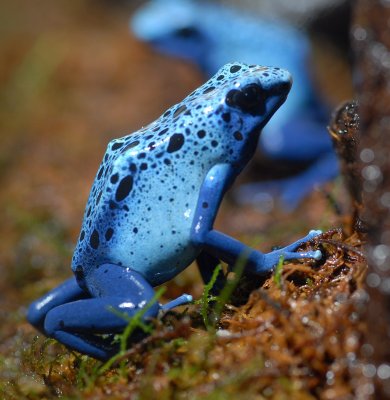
[211, 35]
[153, 204]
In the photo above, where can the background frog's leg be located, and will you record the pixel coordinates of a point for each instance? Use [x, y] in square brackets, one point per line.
[79, 324]
[291, 190]
[303, 138]
[207, 264]
[64, 293]
[224, 247]
[324, 169]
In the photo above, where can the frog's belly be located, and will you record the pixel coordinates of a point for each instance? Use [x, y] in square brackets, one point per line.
[159, 244]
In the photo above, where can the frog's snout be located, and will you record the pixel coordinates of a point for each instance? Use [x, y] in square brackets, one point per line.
[283, 87]
[284, 84]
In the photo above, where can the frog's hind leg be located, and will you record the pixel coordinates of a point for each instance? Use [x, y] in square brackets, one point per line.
[116, 294]
[64, 293]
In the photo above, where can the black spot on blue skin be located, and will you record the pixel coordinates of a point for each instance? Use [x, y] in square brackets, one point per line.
[175, 142]
[148, 137]
[143, 167]
[179, 111]
[151, 146]
[114, 178]
[141, 155]
[82, 235]
[133, 167]
[100, 172]
[238, 135]
[135, 230]
[124, 188]
[205, 204]
[79, 273]
[89, 211]
[117, 146]
[226, 117]
[94, 240]
[220, 77]
[214, 143]
[201, 134]
[131, 145]
[109, 233]
[112, 205]
[163, 132]
[99, 197]
[235, 68]
[208, 90]
[159, 155]
[166, 113]
[167, 161]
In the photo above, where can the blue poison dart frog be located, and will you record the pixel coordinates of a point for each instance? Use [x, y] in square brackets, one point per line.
[211, 35]
[152, 207]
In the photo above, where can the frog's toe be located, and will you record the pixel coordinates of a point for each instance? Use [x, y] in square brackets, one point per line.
[317, 255]
[183, 299]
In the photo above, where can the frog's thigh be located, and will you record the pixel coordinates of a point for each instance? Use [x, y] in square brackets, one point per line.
[76, 324]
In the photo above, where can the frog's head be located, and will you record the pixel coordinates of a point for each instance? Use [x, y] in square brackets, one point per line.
[253, 92]
[242, 98]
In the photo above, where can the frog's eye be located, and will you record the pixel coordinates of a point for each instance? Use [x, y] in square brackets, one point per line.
[187, 32]
[249, 99]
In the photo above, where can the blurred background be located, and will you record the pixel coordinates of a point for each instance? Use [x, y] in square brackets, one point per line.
[72, 77]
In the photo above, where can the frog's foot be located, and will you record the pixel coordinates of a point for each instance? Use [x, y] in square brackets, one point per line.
[268, 261]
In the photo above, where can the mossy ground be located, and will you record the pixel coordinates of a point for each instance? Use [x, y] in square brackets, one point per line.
[71, 79]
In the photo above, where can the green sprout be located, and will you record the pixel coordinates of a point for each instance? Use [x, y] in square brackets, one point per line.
[278, 272]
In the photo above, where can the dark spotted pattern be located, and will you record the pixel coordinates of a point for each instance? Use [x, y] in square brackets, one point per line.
[142, 204]
[175, 142]
[124, 188]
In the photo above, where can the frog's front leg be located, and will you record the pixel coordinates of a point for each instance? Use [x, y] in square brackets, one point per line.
[225, 247]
